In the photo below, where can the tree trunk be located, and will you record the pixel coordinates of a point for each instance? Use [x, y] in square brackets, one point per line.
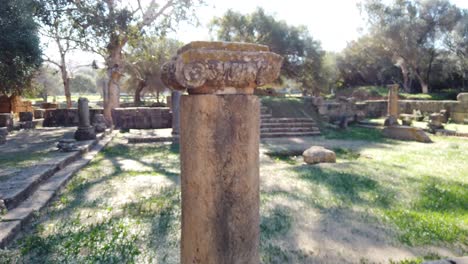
[423, 83]
[405, 73]
[139, 89]
[114, 71]
[66, 81]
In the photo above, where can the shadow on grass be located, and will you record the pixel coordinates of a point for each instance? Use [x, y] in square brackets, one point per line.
[112, 240]
[348, 188]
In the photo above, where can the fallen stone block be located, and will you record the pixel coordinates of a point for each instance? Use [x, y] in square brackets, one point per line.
[317, 154]
[406, 133]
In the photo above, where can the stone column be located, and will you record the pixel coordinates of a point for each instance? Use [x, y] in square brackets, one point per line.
[85, 130]
[392, 106]
[219, 143]
[175, 107]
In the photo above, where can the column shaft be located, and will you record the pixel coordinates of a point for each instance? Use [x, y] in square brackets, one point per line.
[219, 141]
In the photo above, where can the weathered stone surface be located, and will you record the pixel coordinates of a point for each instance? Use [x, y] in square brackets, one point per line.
[221, 67]
[26, 116]
[83, 112]
[3, 135]
[219, 141]
[66, 117]
[317, 154]
[99, 123]
[391, 121]
[6, 120]
[27, 125]
[39, 113]
[8, 231]
[435, 121]
[85, 133]
[406, 133]
[142, 117]
[85, 130]
[462, 97]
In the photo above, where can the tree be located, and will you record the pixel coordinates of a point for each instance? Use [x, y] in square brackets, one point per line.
[46, 82]
[302, 54]
[107, 26]
[366, 61]
[20, 54]
[144, 60]
[57, 27]
[83, 84]
[411, 31]
[457, 42]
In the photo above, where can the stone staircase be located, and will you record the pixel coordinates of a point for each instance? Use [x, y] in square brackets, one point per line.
[272, 127]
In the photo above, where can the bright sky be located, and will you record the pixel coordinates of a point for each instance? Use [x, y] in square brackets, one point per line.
[333, 22]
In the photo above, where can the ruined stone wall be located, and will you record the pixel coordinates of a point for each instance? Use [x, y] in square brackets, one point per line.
[66, 117]
[142, 117]
[457, 109]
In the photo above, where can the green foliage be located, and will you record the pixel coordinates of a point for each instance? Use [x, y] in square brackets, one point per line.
[83, 84]
[144, 59]
[302, 54]
[20, 55]
[411, 31]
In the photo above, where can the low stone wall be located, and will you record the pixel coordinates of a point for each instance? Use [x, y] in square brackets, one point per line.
[66, 117]
[142, 117]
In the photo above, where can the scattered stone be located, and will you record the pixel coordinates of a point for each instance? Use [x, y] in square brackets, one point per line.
[26, 116]
[445, 115]
[67, 145]
[435, 122]
[317, 154]
[3, 135]
[100, 123]
[85, 130]
[406, 133]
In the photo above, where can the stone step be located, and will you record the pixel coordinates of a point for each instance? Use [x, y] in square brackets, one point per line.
[298, 124]
[289, 134]
[21, 185]
[14, 220]
[287, 120]
[289, 129]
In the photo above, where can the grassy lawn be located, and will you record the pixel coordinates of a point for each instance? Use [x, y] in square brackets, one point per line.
[382, 200]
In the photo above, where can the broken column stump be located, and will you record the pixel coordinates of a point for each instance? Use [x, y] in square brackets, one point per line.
[219, 144]
[392, 108]
[85, 131]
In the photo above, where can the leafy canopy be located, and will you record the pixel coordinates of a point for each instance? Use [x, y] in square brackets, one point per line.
[20, 55]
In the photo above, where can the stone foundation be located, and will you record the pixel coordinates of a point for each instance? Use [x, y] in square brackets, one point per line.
[66, 117]
[142, 118]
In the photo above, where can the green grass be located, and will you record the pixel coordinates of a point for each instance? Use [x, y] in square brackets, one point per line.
[287, 106]
[355, 133]
[23, 159]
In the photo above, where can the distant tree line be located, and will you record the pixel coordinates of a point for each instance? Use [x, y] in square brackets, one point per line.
[421, 45]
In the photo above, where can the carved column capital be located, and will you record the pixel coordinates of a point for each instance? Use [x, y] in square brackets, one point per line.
[221, 68]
